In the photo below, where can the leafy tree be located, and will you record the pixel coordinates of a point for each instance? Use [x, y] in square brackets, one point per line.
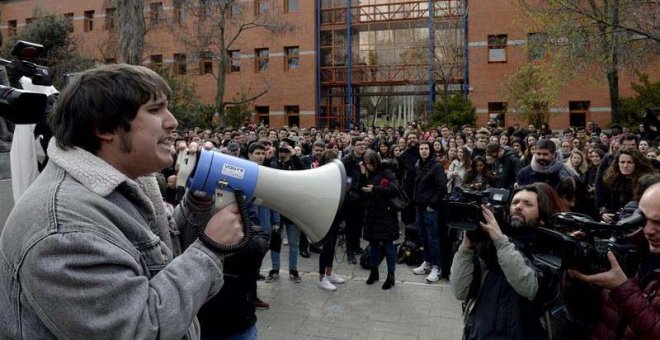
[603, 35]
[531, 89]
[454, 110]
[647, 95]
[60, 53]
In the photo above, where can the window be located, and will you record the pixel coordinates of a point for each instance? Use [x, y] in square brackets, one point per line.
[205, 63]
[180, 63]
[263, 114]
[234, 61]
[497, 48]
[261, 59]
[110, 60]
[536, 45]
[291, 6]
[177, 12]
[496, 112]
[156, 13]
[260, 7]
[110, 16]
[29, 21]
[69, 18]
[236, 10]
[291, 57]
[156, 60]
[11, 27]
[578, 112]
[88, 23]
[292, 115]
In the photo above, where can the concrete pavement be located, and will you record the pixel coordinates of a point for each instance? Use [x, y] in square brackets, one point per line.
[412, 309]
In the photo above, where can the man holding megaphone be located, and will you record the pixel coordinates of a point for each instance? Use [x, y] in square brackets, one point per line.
[89, 250]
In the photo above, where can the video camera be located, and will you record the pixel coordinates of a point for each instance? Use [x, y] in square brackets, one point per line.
[465, 209]
[20, 106]
[560, 248]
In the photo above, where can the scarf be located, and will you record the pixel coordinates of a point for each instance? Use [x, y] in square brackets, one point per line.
[553, 167]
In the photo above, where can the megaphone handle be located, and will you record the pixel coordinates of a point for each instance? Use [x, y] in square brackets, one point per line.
[247, 230]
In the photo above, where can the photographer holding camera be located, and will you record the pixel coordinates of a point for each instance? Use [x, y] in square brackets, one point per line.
[627, 308]
[503, 290]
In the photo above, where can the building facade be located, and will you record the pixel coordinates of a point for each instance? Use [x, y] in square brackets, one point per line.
[334, 62]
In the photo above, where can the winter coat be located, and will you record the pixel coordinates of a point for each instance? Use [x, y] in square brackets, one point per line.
[352, 166]
[407, 161]
[430, 184]
[506, 168]
[380, 220]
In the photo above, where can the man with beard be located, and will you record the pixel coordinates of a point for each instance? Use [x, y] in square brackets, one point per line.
[497, 279]
[353, 203]
[407, 161]
[547, 166]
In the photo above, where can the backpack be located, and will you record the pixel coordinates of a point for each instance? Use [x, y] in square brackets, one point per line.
[410, 253]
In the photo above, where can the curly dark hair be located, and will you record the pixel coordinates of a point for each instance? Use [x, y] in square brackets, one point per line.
[613, 177]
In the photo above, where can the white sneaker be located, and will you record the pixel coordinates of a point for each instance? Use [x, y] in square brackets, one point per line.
[434, 276]
[326, 284]
[334, 278]
[285, 240]
[423, 269]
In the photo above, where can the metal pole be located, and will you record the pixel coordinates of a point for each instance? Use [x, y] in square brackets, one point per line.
[349, 95]
[466, 83]
[318, 63]
[431, 100]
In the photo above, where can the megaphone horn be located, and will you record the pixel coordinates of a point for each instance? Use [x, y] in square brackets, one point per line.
[311, 199]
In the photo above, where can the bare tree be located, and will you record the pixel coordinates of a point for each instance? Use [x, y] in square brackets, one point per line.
[216, 28]
[131, 28]
[612, 35]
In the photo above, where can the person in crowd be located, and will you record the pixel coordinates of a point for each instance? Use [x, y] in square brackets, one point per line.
[327, 278]
[230, 314]
[354, 203]
[620, 180]
[628, 308]
[460, 140]
[498, 280]
[381, 227]
[286, 160]
[566, 148]
[504, 139]
[85, 221]
[577, 144]
[588, 179]
[643, 146]
[266, 218]
[458, 168]
[547, 166]
[310, 161]
[407, 164]
[518, 148]
[576, 162]
[430, 190]
[505, 165]
[480, 145]
[478, 177]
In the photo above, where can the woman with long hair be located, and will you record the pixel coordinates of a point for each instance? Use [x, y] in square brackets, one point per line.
[477, 177]
[576, 162]
[457, 168]
[620, 181]
[381, 226]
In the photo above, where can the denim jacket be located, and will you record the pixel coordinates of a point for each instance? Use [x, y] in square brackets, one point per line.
[88, 253]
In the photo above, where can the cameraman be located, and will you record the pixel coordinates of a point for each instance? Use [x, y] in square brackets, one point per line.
[509, 305]
[630, 308]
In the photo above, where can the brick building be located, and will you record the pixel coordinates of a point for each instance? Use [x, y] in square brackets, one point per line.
[319, 72]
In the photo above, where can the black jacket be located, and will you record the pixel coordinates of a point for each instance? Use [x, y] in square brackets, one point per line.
[380, 221]
[506, 168]
[430, 184]
[352, 166]
[407, 161]
[232, 310]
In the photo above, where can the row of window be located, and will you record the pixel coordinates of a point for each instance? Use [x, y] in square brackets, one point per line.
[261, 61]
[536, 49]
[156, 15]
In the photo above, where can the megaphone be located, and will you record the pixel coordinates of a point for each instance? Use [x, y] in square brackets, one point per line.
[311, 199]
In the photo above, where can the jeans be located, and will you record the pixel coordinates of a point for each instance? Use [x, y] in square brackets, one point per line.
[390, 255]
[293, 234]
[429, 233]
[248, 334]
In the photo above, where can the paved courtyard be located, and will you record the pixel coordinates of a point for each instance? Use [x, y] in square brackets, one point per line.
[412, 309]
